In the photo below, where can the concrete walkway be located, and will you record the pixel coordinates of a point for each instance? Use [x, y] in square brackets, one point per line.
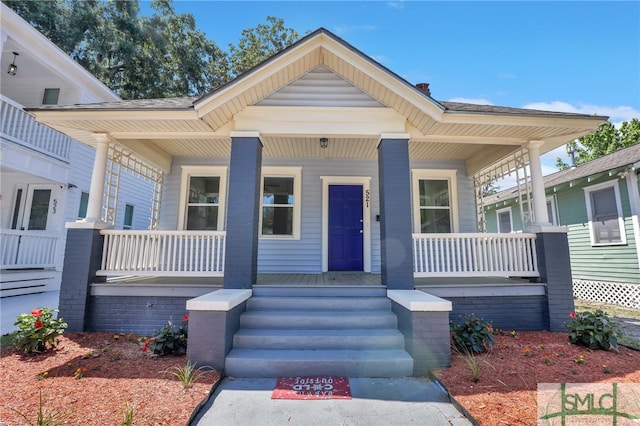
[375, 402]
[11, 307]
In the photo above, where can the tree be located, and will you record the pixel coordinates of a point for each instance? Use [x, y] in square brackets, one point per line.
[161, 55]
[605, 140]
[259, 43]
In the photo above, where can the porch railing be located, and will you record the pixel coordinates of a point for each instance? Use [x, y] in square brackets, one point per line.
[21, 128]
[27, 249]
[163, 253]
[475, 254]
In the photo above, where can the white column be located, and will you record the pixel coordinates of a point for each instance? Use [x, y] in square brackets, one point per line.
[541, 217]
[96, 192]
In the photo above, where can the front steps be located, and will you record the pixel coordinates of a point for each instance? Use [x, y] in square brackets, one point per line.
[339, 331]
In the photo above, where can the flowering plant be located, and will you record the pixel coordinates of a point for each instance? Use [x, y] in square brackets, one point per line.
[593, 329]
[472, 334]
[169, 339]
[37, 331]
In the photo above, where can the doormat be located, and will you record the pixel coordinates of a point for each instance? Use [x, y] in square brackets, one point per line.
[320, 387]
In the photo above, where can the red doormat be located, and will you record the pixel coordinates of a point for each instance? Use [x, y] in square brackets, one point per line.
[320, 387]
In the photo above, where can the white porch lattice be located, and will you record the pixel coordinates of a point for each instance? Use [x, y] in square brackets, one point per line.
[514, 164]
[122, 159]
[621, 294]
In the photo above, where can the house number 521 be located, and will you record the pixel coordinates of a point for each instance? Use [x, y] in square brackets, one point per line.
[367, 197]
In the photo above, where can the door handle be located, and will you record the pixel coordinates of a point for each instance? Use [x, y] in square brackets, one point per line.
[362, 231]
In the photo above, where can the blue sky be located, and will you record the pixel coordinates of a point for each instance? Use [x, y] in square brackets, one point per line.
[562, 56]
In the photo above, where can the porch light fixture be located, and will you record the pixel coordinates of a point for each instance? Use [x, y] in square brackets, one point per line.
[13, 68]
[324, 143]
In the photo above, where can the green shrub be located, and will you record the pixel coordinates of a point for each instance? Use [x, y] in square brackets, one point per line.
[170, 339]
[472, 335]
[593, 330]
[37, 331]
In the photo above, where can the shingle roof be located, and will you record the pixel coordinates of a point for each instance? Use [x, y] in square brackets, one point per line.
[493, 109]
[615, 160]
[186, 103]
[149, 104]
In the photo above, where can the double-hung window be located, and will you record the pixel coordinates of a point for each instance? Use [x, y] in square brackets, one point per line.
[604, 210]
[203, 193]
[280, 202]
[435, 201]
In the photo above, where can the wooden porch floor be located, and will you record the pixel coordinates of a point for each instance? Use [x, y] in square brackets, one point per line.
[321, 280]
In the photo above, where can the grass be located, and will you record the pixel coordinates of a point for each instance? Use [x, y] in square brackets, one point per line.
[187, 374]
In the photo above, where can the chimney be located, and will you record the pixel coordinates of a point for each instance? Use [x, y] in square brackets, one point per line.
[424, 88]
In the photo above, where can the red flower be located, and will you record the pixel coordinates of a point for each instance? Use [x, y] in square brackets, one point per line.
[145, 347]
[38, 324]
[185, 318]
[36, 312]
[572, 315]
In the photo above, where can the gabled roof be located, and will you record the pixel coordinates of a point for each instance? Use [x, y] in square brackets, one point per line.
[477, 134]
[620, 159]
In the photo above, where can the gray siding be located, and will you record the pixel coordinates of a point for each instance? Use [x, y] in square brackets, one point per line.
[305, 255]
[466, 196]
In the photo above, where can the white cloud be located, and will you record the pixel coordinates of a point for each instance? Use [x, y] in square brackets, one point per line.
[396, 4]
[476, 101]
[616, 114]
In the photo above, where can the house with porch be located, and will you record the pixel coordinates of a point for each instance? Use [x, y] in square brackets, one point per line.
[599, 203]
[318, 216]
[45, 174]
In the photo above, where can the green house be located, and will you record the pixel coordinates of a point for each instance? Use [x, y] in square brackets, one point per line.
[599, 203]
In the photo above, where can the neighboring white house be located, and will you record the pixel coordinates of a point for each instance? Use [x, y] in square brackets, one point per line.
[45, 175]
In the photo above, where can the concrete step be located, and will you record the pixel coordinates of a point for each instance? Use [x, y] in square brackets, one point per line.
[295, 320]
[319, 339]
[318, 303]
[290, 363]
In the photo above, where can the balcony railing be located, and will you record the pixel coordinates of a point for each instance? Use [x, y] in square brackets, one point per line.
[163, 253]
[21, 128]
[474, 255]
[27, 249]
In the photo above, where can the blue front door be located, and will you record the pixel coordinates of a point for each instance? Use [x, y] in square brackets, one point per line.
[345, 228]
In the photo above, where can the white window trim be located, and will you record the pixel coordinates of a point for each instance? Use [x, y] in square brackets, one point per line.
[365, 181]
[503, 210]
[554, 210]
[187, 172]
[296, 174]
[587, 196]
[451, 176]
